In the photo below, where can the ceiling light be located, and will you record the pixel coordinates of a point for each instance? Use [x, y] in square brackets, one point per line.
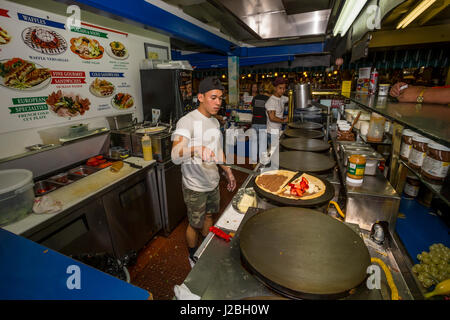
[417, 11]
[348, 14]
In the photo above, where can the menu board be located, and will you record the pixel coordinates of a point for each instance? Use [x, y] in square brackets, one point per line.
[52, 75]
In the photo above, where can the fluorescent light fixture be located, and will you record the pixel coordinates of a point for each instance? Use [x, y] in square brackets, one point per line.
[348, 14]
[417, 11]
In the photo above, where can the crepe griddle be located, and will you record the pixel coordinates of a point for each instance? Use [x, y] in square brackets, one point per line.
[302, 144]
[303, 133]
[303, 253]
[305, 125]
[325, 198]
[305, 161]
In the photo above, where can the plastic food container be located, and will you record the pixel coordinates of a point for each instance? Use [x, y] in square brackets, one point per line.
[419, 151]
[383, 90]
[412, 186]
[16, 195]
[376, 128]
[355, 169]
[405, 150]
[436, 163]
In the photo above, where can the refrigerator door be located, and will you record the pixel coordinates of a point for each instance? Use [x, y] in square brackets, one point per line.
[168, 90]
[173, 208]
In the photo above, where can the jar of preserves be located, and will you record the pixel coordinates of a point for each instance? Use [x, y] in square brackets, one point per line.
[412, 186]
[376, 128]
[405, 149]
[418, 151]
[355, 169]
[435, 165]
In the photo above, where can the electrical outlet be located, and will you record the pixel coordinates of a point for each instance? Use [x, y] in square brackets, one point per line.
[156, 113]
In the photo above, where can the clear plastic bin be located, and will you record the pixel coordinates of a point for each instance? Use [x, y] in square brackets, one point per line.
[16, 195]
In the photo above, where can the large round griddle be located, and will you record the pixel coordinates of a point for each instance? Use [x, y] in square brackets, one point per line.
[302, 144]
[303, 133]
[302, 253]
[305, 125]
[305, 161]
[325, 198]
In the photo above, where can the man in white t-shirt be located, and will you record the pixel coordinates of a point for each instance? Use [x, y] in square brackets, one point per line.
[275, 108]
[197, 145]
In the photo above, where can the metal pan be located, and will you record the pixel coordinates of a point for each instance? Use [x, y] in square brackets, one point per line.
[325, 198]
[305, 161]
[303, 133]
[305, 125]
[303, 253]
[302, 144]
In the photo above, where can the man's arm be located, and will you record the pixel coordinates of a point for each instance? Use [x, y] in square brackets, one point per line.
[430, 95]
[181, 151]
[274, 118]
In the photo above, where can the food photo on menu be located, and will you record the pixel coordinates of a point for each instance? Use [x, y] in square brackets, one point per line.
[67, 104]
[86, 48]
[20, 74]
[102, 88]
[4, 36]
[122, 101]
[117, 50]
[44, 40]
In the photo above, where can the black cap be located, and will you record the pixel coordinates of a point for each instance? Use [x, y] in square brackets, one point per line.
[210, 83]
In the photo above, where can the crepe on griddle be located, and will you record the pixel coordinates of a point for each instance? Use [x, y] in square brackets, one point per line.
[274, 181]
[315, 190]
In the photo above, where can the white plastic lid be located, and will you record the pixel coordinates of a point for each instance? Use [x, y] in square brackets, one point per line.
[408, 133]
[438, 146]
[14, 179]
[419, 138]
[354, 181]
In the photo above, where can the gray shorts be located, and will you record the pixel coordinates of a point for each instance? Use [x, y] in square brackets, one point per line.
[199, 204]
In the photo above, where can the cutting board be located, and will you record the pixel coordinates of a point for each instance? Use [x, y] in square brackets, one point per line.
[83, 188]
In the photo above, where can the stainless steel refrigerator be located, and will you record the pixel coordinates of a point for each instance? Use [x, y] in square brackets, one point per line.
[168, 90]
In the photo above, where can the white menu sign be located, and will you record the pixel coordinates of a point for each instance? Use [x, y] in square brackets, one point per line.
[49, 75]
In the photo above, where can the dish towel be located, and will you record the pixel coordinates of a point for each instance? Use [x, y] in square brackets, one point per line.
[183, 293]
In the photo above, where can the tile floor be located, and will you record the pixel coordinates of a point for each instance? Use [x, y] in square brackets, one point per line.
[163, 262]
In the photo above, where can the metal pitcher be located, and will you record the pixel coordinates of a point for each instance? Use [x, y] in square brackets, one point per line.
[302, 95]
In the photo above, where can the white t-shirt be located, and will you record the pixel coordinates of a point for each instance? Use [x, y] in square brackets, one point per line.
[275, 104]
[200, 131]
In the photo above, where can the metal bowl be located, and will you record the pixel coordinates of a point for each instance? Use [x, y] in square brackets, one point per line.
[82, 171]
[44, 187]
[238, 196]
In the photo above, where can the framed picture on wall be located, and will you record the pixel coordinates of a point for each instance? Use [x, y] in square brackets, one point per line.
[156, 52]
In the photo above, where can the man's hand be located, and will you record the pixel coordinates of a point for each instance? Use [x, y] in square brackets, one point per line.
[205, 154]
[231, 180]
[395, 89]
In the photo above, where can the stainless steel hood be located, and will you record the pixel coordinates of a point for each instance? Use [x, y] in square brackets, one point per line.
[269, 18]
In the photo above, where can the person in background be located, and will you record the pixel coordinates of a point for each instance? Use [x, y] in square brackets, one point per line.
[259, 119]
[275, 108]
[420, 94]
[196, 145]
[254, 90]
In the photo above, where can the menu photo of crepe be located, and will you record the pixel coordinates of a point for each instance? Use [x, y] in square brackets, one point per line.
[122, 101]
[20, 74]
[67, 104]
[86, 48]
[44, 40]
[117, 50]
[4, 36]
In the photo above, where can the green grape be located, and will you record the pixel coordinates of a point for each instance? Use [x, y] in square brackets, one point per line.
[426, 260]
[436, 260]
[441, 277]
[427, 283]
[442, 266]
[425, 254]
[419, 257]
[421, 277]
[415, 268]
